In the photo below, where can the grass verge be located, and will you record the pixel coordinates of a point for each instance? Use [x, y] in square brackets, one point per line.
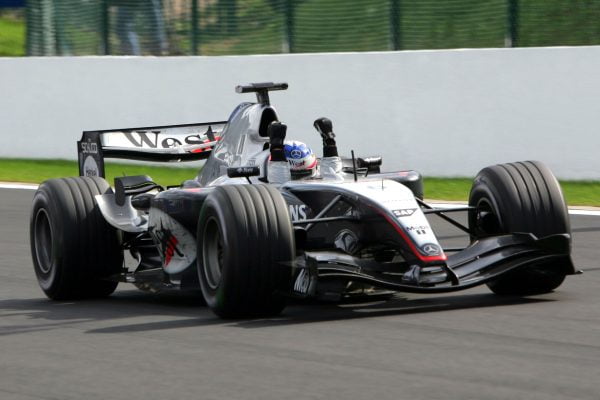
[577, 193]
[580, 193]
[12, 36]
[36, 171]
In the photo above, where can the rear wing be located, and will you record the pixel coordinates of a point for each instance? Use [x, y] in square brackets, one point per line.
[189, 142]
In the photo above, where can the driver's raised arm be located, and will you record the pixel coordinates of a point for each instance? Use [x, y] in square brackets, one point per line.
[278, 170]
[331, 164]
[325, 127]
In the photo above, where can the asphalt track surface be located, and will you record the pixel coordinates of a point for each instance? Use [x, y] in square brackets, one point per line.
[134, 345]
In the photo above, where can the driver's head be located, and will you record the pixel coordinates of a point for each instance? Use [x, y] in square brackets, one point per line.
[302, 160]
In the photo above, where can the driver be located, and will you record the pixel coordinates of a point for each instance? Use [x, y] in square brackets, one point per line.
[301, 159]
[291, 159]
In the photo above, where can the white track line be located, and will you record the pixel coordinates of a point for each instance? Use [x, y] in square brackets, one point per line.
[585, 212]
[32, 186]
[28, 186]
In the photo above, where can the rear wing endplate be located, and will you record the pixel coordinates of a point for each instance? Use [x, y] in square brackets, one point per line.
[172, 143]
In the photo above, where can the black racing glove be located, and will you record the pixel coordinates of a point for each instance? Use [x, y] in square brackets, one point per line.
[325, 128]
[276, 131]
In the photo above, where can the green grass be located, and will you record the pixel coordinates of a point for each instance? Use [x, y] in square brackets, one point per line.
[12, 36]
[581, 193]
[36, 171]
[586, 193]
[577, 193]
[447, 189]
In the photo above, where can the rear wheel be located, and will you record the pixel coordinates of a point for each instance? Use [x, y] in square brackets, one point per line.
[245, 249]
[521, 197]
[72, 246]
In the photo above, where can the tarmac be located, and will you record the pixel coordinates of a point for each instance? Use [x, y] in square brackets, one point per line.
[136, 345]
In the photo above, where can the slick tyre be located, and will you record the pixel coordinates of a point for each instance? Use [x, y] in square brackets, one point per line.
[245, 249]
[520, 197]
[72, 246]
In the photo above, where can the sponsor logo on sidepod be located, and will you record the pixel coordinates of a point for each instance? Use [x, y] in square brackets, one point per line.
[297, 212]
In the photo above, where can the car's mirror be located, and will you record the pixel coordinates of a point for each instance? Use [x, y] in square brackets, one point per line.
[372, 164]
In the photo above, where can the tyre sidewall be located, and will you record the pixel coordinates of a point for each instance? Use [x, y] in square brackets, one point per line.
[215, 207]
[48, 281]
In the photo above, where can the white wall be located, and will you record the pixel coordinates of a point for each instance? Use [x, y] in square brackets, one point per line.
[445, 113]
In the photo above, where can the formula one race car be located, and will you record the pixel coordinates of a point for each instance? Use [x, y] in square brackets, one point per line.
[250, 243]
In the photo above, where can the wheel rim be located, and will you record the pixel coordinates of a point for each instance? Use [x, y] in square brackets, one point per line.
[212, 254]
[42, 232]
[486, 219]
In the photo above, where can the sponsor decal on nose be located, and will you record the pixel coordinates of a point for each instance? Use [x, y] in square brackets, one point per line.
[431, 249]
[407, 212]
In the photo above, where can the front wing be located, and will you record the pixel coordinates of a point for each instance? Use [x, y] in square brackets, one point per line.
[484, 260]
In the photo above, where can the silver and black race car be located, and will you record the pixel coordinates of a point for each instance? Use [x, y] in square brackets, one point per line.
[249, 244]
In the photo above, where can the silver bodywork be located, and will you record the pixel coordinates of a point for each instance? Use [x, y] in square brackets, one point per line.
[393, 200]
[125, 217]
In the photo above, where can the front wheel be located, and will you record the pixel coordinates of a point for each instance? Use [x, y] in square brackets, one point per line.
[245, 250]
[521, 197]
